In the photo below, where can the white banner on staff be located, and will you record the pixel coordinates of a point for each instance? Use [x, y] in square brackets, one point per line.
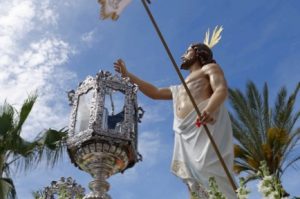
[112, 8]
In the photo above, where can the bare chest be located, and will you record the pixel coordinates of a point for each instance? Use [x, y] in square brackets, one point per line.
[200, 89]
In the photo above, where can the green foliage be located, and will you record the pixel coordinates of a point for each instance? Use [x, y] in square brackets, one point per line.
[63, 189]
[242, 191]
[262, 132]
[38, 194]
[214, 192]
[18, 152]
[269, 186]
[7, 188]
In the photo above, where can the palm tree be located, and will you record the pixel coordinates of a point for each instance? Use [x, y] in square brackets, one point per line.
[15, 151]
[264, 133]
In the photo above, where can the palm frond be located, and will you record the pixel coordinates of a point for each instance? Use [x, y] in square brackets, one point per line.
[266, 109]
[7, 188]
[20, 152]
[251, 177]
[293, 121]
[5, 169]
[242, 166]
[49, 146]
[6, 119]
[294, 139]
[239, 168]
[256, 109]
[240, 152]
[55, 145]
[239, 103]
[262, 132]
[243, 138]
[279, 116]
[290, 163]
[290, 118]
[247, 120]
[25, 111]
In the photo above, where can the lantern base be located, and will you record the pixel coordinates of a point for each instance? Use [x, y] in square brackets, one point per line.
[101, 160]
[102, 169]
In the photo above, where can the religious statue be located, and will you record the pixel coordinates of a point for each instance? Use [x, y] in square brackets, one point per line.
[194, 160]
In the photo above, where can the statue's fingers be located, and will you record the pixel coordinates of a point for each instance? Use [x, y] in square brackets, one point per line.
[121, 61]
[117, 69]
[203, 118]
[213, 121]
[207, 118]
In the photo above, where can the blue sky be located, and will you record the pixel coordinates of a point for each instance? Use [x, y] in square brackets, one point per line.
[50, 46]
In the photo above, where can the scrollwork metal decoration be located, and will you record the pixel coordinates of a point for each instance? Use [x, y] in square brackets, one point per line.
[99, 142]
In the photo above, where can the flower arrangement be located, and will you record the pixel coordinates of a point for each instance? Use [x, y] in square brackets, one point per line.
[242, 191]
[269, 186]
[214, 192]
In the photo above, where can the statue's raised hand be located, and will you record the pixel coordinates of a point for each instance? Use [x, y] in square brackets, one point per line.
[120, 67]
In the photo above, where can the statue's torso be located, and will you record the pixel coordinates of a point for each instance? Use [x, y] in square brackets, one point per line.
[198, 84]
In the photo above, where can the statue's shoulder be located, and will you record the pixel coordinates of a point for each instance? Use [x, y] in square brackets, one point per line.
[212, 68]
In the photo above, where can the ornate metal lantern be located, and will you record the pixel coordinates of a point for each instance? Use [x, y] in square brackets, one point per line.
[102, 142]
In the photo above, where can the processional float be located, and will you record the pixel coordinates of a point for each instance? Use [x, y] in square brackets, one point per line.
[101, 141]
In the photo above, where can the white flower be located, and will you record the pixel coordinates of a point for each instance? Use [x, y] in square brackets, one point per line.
[260, 186]
[272, 195]
[242, 196]
[268, 178]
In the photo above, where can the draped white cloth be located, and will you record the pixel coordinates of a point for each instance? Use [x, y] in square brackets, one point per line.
[194, 159]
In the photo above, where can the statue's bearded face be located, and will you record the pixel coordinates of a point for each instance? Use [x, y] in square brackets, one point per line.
[188, 58]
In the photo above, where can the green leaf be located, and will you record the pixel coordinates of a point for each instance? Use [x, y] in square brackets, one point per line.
[6, 119]
[7, 188]
[25, 111]
[262, 132]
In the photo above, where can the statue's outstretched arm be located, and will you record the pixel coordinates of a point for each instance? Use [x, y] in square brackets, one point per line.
[146, 88]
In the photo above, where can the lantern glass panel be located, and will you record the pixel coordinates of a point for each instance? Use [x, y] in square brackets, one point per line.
[114, 110]
[83, 111]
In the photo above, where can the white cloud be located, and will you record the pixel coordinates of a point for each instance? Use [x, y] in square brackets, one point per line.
[153, 113]
[149, 145]
[47, 14]
[41, 72]
[30, 64]
[88, 37]
[15, 22]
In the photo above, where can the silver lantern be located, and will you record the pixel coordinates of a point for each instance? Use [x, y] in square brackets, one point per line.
[103, 129]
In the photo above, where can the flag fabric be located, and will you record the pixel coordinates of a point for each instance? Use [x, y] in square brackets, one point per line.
[112, 8]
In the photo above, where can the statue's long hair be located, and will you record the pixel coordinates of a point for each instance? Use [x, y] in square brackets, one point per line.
[203, 53]
[203, 50]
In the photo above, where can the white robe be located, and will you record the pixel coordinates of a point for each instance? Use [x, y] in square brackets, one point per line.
[194, 159]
